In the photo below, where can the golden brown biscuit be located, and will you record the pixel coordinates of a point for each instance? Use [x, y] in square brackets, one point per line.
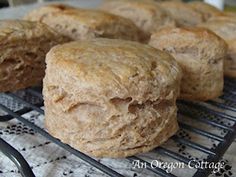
[205, 9]
[111, 98]
[23, 46]
[200, 53]
[183, 14]
[147, 15]
[82, 24]
[225, 27]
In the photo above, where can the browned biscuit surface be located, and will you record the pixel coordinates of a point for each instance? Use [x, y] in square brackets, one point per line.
[200, 53]
[205, 9]
[111, 98]
[225, 27]
[183, 14]
[23, 46]
[148, 15]
[80, 23]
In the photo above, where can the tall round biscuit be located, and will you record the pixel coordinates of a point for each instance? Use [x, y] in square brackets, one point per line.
[200, 53]
[23, 47]
[225, 27]
[82, 24]
[111, 98]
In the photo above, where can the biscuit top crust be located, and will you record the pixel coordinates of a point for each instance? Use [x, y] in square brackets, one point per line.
[14, 30]
[148, 6]
[206, 9]
[201, 41]
[89, 17]
[153, 15]
[115, 68]
[39, 13]
[197, 4]
[182, 13]
[224, 26]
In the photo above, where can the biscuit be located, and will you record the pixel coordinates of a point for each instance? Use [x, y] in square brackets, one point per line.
[110, 97]
[205, 9]
[200, 53]
[147, 15]
[81, 24]
[225, 27]
[23, 47]
[183, 14]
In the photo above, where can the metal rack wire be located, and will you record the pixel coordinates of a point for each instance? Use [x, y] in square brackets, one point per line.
[226, 102]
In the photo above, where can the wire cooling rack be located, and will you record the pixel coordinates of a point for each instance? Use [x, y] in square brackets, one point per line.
[207, 113]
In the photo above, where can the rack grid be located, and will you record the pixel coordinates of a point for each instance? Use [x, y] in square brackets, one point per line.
[227, 102]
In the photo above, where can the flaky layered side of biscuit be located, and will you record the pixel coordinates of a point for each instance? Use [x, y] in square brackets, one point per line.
[82, 24]
[23, 47]
[200, 53]
[111, 98]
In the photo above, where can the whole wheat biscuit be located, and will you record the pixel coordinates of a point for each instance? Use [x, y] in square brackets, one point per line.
[80, 24]
[183, 14]
[111, 98]
[225, 27]
[200, 53]
[23, 47]
[205, 9]
[147, 15]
